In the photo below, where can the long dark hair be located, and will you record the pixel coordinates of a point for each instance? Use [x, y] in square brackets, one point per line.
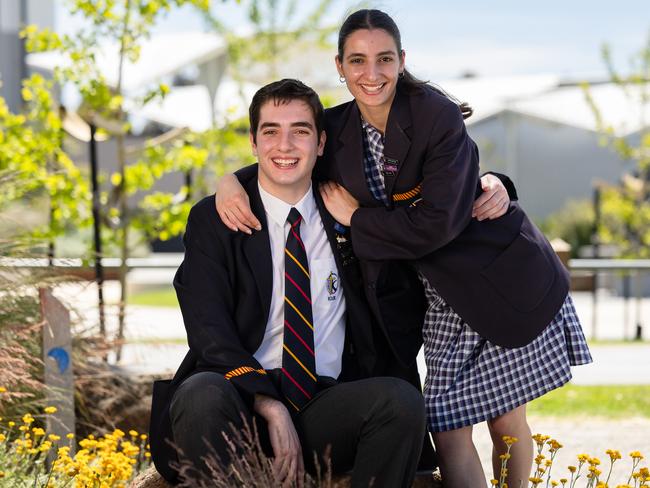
[376, 19]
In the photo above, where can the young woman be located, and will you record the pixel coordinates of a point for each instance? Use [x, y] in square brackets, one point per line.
[500, 328]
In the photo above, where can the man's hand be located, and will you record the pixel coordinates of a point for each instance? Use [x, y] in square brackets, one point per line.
[233, 205]
[494, 201]
[338, 201]
[288, 464]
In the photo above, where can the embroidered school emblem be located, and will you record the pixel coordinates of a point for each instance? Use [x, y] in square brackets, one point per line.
[332, 285]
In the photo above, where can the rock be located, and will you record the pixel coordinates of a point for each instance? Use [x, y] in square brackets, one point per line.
[151, 479]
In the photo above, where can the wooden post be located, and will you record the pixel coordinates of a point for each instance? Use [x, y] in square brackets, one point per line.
[57, 360]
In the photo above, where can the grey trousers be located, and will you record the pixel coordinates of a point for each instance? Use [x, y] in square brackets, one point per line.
[373, 427]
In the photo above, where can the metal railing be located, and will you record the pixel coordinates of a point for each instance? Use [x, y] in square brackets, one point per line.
[628, 268]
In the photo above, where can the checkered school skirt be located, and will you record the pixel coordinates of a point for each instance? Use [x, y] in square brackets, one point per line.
[470, 380]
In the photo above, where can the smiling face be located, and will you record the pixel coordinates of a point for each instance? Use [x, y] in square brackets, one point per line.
[286, 144]
[371, 65]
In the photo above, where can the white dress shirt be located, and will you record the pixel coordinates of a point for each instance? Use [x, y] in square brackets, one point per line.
[328, 303]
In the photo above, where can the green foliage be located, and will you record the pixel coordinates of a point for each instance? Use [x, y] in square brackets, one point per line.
[30, 150]
[573, 223]
[625, 208]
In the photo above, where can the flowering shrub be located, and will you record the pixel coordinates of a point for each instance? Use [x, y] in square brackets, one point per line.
[587, 468]
[104, 462]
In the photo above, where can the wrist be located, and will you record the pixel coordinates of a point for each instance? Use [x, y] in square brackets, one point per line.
[268, 407]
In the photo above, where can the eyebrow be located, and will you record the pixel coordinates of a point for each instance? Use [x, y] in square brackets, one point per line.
[383, 53]
[309, 125]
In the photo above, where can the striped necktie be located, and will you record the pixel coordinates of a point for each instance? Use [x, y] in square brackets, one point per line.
[298, 358]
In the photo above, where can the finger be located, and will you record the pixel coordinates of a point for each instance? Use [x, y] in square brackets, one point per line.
[485, 207]
[293, 468]
[248, 217]
[301, 471]
[237, 215]
[490, 209]
[285, 467]
[503, 209]
[227, 221]
[484, 201]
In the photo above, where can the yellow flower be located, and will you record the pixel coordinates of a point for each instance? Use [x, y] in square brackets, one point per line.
[494, 482]
[2, 474]
[2, 437]
[69, 436]
[505, 456]
[143, 437]
[583, 457]
[636, 455]
[38, 432]
[509, 440]
[133, 433]
[573, 469]
[147, 455]
[28, 419]
[54, 437]
[613, 454]
[3, 389]
[594, 461]
[50, 410]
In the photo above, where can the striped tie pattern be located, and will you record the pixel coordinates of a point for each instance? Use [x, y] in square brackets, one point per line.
[298, 359]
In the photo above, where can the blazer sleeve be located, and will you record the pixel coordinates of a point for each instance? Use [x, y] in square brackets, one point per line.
[207, 302]
[449, 186]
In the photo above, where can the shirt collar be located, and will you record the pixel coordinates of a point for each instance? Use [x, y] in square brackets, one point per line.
[368, 127]
[278, 210]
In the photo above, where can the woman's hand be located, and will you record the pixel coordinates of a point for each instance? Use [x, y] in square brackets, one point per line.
[494, 201]
[338, 201]
[233, 205]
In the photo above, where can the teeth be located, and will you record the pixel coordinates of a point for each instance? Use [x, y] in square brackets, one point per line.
[373, 88]
[285, 163]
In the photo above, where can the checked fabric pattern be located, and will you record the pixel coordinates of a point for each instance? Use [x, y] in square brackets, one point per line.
[373, 156]
[298, 358]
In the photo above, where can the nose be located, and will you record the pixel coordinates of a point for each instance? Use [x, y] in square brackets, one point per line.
[371, 70]
[285, 143]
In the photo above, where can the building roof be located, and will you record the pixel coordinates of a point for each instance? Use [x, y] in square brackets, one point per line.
[619, 108]
[160, 56]
[189, 106]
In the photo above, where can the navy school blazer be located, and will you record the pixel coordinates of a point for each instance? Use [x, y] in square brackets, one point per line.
[224, 288]
[501, 276]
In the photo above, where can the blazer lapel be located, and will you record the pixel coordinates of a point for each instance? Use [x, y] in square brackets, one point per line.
[257, 249]
[398, 140]
[349, 156]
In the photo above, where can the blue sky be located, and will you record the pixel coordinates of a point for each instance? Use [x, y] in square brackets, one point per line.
[496, 38]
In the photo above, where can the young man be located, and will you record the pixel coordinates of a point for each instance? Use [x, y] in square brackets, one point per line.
[278, 327]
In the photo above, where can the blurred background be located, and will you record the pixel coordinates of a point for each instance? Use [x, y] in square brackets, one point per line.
[116, 116]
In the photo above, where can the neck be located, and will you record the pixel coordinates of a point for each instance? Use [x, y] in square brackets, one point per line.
[290, 194]
[375, 116]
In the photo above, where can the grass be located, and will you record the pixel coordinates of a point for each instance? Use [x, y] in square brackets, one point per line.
[155, 297]
[598, 401]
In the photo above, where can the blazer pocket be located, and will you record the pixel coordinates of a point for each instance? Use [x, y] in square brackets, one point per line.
[522, 274]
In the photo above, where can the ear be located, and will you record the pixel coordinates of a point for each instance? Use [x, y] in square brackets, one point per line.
[252, 141]
[339, 65]
[321, 143]
[402, 60]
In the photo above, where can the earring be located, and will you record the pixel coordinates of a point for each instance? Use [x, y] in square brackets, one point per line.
[342, 79]
[401, 74]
